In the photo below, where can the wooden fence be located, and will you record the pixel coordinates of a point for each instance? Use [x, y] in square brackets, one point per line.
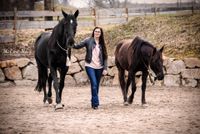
[17, 20]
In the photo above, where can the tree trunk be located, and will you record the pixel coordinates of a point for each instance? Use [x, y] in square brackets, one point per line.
[48, 5]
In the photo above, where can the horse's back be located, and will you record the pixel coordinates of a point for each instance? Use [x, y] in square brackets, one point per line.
[122, 47]
[122, 53]
[41, 45]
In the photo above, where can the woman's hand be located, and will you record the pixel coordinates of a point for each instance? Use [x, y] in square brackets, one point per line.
[73, 46]
[105, 72]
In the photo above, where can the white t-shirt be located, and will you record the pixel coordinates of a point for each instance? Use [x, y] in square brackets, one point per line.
[95, 62]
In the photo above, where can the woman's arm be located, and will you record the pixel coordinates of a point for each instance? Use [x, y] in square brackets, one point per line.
[105, 64]
[81, 44]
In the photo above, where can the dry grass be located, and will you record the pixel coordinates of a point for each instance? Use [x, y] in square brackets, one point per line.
[179, 33]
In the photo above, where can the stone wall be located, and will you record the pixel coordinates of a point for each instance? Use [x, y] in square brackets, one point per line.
[23, 71]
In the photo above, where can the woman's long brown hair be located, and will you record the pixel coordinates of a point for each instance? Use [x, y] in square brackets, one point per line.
[102, 42]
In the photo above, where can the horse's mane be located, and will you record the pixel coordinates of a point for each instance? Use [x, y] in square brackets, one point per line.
[136, 46]
[57, 33]
[56, 28]
[137, 43]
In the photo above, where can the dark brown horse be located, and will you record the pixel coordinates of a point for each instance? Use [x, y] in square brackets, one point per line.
[133, 56]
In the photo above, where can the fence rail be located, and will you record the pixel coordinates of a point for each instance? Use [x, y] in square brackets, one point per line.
[17, 20]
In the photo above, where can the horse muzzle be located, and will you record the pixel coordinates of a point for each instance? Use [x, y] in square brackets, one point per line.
[70, 42]
[160, 76]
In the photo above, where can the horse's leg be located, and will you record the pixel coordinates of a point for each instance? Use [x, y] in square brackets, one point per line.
[63, 72]
[121, 75]
[50, 87]
[45, 95]
[127, 86]
[55, 83]
[133, 87]
[144, 80]
[128, 82]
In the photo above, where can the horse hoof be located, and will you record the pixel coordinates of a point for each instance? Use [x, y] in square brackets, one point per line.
[130, 101]
[50, 100]
[59, 106]
[46, 104]
[145, 105]
[126, 103]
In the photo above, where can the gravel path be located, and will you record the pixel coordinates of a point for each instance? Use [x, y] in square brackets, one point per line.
[169, 111]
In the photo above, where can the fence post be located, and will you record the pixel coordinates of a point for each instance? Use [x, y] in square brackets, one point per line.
[155, 9]
[95, 17]
[193, 4]
[145, 9]
[15, 25]
[126, 10]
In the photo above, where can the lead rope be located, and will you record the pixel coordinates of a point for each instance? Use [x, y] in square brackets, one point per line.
[68, 63]
[149, 72]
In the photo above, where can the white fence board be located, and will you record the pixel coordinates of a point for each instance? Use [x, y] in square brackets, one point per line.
[35, 24]
[107, 21]
[6, 25]
[6, 38]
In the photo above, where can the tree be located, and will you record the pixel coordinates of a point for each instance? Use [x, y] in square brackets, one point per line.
[9, 5]
[48, 5]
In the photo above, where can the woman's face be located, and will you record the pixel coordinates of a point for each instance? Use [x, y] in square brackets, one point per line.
[97, 33]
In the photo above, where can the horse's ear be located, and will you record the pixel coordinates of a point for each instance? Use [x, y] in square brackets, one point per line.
[154, 51]
[64, 14]
[161, 50]
[76, 13]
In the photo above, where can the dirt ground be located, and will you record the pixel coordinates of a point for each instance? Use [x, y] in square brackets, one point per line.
[170, 110]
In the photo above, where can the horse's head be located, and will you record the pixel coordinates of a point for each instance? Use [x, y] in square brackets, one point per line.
[69, 24]
[157, 63]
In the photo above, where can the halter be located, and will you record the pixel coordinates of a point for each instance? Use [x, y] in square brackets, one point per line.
[149, 69]
[67, 52]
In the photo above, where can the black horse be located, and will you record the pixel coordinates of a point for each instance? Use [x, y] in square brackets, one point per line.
[133, 56]
[52, 51]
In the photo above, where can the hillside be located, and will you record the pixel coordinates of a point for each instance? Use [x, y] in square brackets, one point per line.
[179, 33]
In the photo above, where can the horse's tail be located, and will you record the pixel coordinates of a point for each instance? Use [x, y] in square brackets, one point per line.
[121, 71]
[42, 70]
[42, 76]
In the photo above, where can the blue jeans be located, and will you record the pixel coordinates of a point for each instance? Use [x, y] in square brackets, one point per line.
[95, 77]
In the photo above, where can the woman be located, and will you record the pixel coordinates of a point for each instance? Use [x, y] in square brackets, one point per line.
[95, 61]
